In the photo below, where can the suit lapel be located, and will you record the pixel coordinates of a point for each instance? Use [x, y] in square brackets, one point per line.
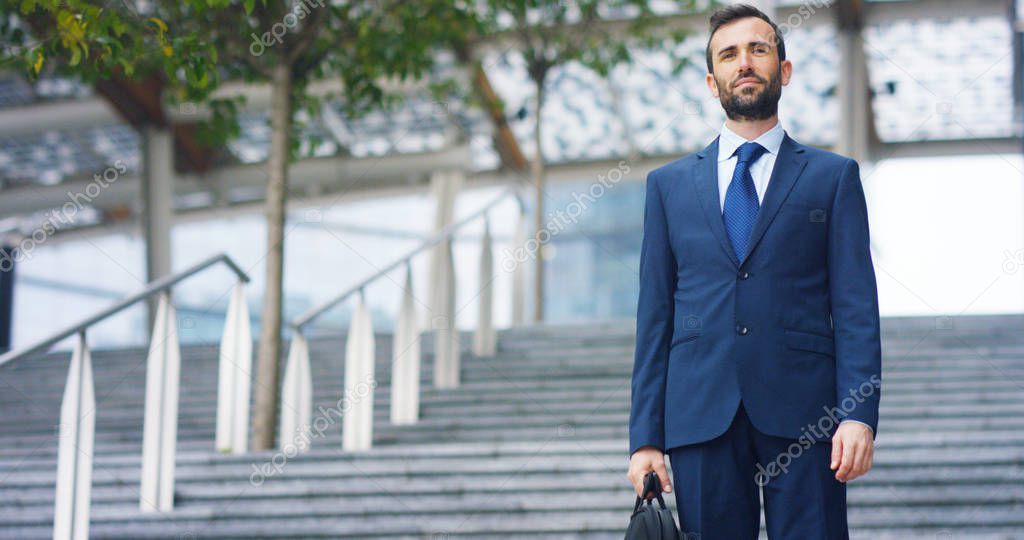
[788, 166]
[707, 191]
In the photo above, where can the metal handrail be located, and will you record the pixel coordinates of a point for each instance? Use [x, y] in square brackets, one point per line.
[304, 319]
[157, 286]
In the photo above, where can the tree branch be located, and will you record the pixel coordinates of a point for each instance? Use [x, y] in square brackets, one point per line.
[310, 32]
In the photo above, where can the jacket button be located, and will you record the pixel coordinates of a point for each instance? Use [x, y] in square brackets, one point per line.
[743, 274]
[741, 330]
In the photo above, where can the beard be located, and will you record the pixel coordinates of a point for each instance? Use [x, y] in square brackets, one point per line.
[749, 103]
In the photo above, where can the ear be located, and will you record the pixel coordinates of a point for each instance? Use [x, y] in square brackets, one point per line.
[710, 80]
[787, 71]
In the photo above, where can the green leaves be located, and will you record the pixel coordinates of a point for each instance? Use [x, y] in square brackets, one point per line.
[192, 44]
[222, 126]
[90, 40]
[27, 6]
[72, 32]
[37, 64]
[599, 34]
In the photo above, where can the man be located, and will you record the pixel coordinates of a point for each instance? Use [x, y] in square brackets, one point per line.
[758, 355]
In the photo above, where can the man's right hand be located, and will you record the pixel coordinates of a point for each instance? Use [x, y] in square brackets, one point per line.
[643, 461]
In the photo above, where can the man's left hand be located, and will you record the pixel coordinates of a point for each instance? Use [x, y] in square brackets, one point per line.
[853, 449]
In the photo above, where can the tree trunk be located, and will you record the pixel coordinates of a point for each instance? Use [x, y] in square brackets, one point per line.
[264, 423]
[537, 166]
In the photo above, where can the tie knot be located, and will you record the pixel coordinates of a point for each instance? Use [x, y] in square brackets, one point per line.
[748, 152]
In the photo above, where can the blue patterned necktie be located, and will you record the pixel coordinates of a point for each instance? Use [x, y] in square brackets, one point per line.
[740, 209]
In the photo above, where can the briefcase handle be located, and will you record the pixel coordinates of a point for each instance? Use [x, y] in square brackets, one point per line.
[651, 485]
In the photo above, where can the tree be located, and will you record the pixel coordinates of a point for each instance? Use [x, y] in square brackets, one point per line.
[192, 45]
[598, 34]
[364, 44]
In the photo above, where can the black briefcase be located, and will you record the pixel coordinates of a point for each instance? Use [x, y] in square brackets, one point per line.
[650, 522]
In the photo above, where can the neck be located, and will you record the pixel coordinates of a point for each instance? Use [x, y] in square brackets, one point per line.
[751, 129]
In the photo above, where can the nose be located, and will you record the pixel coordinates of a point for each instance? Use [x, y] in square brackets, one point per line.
[744, 61]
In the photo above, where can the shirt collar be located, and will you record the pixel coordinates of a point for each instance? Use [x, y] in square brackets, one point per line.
[729, 141]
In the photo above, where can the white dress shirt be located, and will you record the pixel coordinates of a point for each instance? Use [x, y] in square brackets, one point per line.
[760, 171]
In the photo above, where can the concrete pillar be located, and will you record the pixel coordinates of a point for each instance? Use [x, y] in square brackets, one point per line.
[1018, 64]
[1017, 16]
[7, 255]
[518, 270]
[157, 203]
[856, 116]
[444, 187]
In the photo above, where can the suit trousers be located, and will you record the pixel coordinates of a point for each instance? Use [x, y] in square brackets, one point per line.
[717, 485]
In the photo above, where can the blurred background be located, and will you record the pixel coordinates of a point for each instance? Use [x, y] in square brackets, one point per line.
[940, 158]
[338, 153]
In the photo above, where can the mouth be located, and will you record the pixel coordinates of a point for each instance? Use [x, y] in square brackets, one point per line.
[745, 82]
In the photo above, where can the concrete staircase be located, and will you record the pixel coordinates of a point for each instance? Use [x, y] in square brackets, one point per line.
[533, 445]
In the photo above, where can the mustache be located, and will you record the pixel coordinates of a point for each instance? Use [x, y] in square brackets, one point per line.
[750, 76]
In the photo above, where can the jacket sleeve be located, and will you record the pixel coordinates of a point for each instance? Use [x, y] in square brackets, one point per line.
[654, 326]
[854, 303]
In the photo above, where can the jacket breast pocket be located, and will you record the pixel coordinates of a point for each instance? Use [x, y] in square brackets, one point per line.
[806, 212]
[807, 341]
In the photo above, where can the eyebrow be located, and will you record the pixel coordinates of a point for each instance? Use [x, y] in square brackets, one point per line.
[733, 47]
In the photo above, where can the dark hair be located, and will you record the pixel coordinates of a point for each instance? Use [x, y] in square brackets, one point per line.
[730, 13]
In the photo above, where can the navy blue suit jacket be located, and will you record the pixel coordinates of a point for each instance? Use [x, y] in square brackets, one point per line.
[792, 329]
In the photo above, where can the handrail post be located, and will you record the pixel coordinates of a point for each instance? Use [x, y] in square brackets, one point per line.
[296, 397]
[517, 257]
[444, 186]
[161, 285]
[357, 423]
[160, 431]
[405, 360]
[160, 428]
[406, 354]
[433, 243]
[75, 448]
[483, 337]
[446, 336]
[234, 377]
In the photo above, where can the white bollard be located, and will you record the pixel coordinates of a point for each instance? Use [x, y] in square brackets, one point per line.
[357, 426]
[446, 336]
[518, 269]
[405, 361]
[75, 449]
[483, 338]
[160, 431]
[296, 397]
[235, 376]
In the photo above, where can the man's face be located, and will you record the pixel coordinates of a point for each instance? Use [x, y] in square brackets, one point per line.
[748, 77]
